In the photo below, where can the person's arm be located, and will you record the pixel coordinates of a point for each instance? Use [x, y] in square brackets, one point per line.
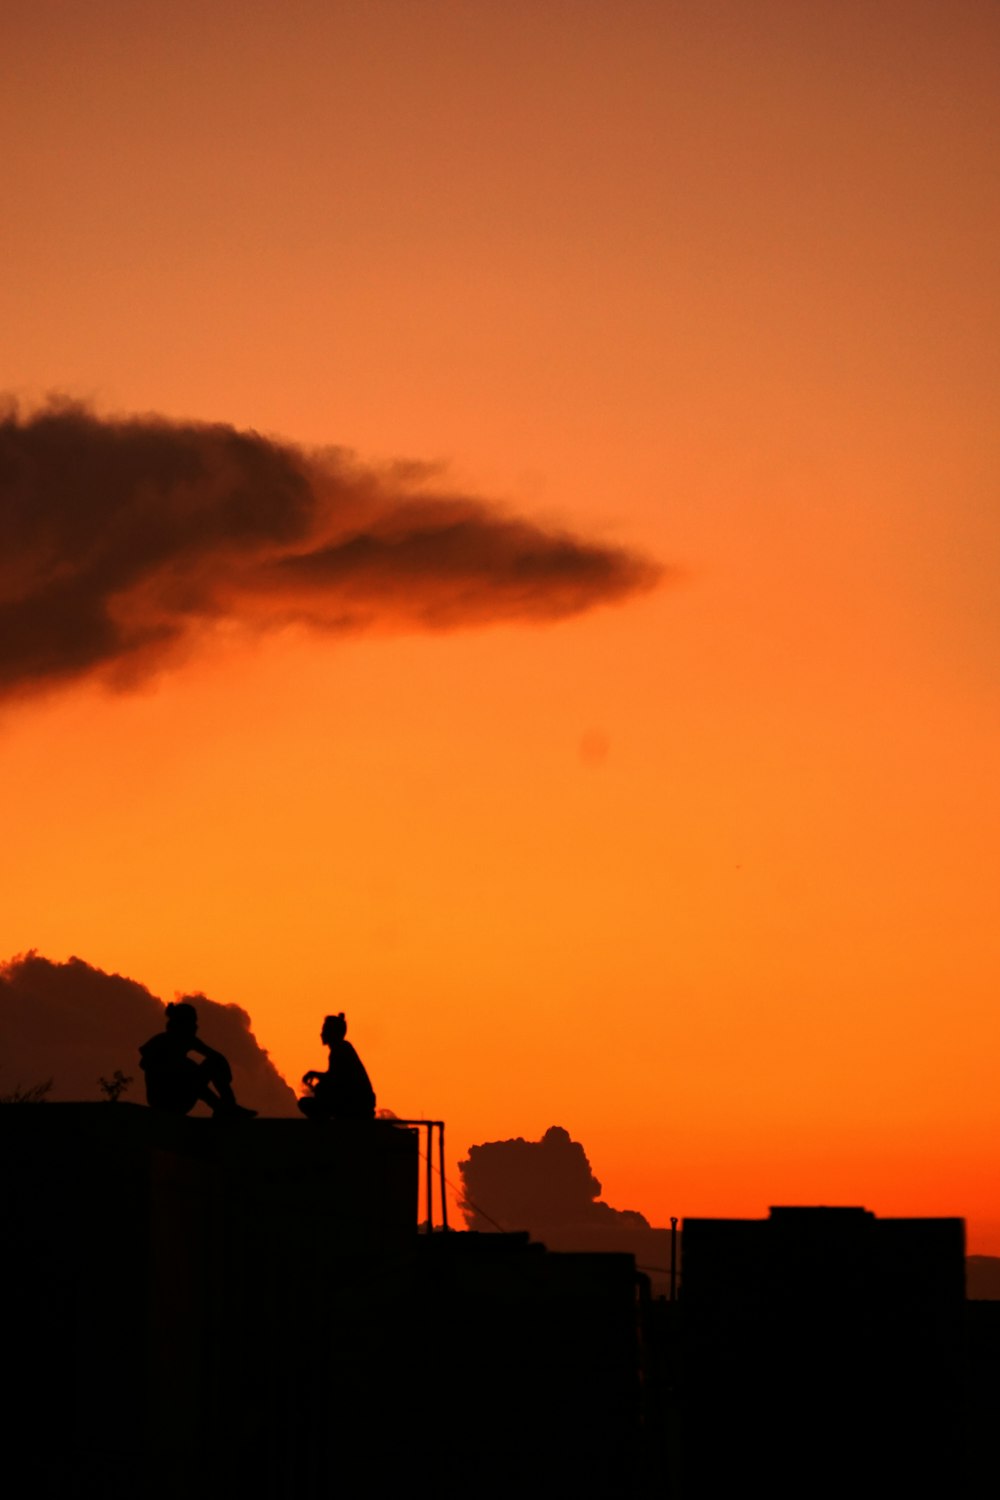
[210, 1054]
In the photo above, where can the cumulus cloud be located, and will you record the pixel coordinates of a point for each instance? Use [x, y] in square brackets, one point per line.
[548, 1188]
[75, 1024]
[522, 1183]
[124, 541]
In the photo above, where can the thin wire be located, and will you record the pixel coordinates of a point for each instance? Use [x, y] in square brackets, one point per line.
[461, 1195]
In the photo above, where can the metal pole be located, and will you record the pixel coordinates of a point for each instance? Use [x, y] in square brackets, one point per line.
[673, 1259]
[444, 1195]
[430, 1178]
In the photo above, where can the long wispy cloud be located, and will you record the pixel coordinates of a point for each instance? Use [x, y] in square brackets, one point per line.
[124, 541]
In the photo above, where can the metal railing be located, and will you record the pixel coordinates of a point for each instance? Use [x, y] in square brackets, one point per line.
[430, 1126]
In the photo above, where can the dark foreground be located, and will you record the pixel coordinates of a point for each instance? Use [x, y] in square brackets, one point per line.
[201, 1309]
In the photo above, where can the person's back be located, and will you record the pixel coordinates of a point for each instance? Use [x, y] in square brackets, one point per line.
[171, 1084]
[350, 1087]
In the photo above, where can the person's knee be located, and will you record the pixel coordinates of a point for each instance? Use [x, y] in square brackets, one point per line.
[217, 1070]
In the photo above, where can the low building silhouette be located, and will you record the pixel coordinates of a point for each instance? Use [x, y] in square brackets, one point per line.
[204, 1308]
[822, 1349]
[243, 1308]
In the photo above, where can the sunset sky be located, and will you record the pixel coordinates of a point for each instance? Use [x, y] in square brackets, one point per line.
[705, 872]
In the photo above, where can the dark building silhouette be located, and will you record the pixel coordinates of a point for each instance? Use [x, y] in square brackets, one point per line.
[200, 1307]
[823, 1350]
[203, 1307]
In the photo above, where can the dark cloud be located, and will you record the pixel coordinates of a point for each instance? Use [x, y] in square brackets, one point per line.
[123, 542]
[548, 1188]
[522, 1183]
[75, 1024]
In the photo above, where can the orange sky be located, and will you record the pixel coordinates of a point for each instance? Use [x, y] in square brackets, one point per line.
[709, 878]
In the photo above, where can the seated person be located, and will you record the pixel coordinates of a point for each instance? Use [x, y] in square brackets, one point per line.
[175, 1081]
[344, 1091]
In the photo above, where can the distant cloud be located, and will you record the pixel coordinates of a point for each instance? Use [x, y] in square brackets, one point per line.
[523, 1184]
[75, 1024]
[548, 1188]
[124, 541]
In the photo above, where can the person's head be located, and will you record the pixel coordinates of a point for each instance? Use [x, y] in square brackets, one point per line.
[181, 1016]
[334, 1030]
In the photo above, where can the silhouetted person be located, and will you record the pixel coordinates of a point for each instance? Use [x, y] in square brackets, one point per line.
[344, 1091]
[175, 1081]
